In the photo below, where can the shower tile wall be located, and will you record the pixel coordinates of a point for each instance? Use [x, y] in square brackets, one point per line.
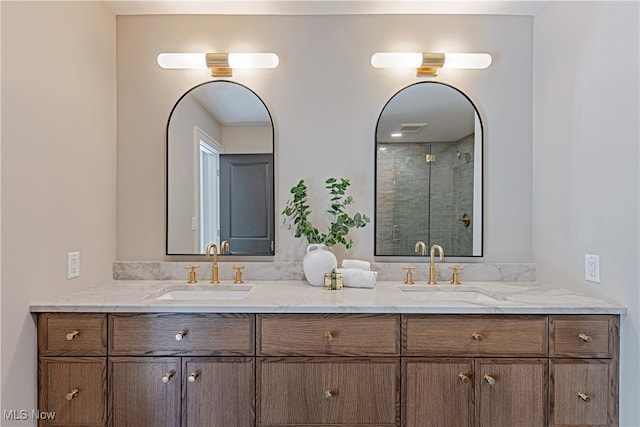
[402, 203]
[417, 200]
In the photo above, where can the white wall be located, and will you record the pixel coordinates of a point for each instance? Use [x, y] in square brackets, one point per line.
[325, 99]
[585, 160]
[58, 168]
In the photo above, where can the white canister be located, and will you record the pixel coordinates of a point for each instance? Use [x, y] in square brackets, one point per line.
[316, 262]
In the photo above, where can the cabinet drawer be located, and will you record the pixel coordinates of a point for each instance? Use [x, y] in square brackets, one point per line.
[474, 335]
[331, 334]
[75, 389]
[321, 391]
[584, 336]
[174, 334]
[582, 393]
[72, 334]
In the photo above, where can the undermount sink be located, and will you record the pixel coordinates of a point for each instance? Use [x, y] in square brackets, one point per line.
[449, 293]
[205, 292]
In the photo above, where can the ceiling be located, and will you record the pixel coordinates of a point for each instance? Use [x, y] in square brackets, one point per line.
[324, 7]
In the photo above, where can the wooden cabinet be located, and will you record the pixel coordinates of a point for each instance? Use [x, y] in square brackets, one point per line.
[181, 334]
[360, 388]
[219, 391]
[437, 392]
[72, 369]
[267, 370]
[511, 392]
[328, 391]
[507, 391]
[584, 370]
[194, 391]
[144, 391]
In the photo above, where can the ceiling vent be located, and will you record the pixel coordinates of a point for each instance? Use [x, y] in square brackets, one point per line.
[411, 127]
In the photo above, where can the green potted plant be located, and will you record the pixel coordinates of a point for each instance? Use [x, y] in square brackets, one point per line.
[318, 259]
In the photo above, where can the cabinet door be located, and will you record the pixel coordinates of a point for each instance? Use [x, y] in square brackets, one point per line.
[437, 392]
[75, 389]
[582, 393]
[321, 391]
[511, 392]
[219, 392]
[144, 391]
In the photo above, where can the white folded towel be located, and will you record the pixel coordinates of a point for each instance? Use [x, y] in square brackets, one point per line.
[357, 278]
[356, 263]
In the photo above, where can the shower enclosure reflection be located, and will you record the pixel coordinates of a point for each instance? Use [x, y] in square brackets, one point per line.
[429, 172]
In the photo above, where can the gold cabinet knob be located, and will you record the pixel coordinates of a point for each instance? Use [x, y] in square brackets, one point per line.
[73, 393]
[329, 336]
[477, 336]
[328, 395]
[584, 396]
[489, 379]
[167, 377]
[464, 378]
[585, 338]
[73, 335]
[192, 378]
[181, 334]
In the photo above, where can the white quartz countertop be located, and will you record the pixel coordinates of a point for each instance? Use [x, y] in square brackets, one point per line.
[141, 296]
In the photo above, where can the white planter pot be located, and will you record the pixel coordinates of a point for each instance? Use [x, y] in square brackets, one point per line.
[316, 262]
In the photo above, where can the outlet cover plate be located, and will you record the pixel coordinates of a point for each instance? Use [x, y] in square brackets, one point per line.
[73, 265]
[592, 268]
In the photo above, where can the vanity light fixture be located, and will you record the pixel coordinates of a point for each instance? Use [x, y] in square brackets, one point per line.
[428, 64]
[220, 64]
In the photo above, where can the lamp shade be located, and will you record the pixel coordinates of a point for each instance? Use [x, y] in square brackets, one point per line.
[467, 60]
[235, 60]
[419, 59]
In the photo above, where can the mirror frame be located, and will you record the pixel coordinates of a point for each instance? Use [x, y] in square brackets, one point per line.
[273, 215]
[481, 174]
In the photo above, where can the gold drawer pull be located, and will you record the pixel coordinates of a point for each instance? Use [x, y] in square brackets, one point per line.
[167, 377]
[585, 338]
[329, 336]
[584, 396]
[463, 377]
[73, 393]
[476, 336]
[181, 335]
[328, 395]
[489, 379]
[73, 335]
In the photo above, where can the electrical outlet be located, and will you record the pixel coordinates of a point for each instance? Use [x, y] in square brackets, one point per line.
[73, 265]
[592, 268]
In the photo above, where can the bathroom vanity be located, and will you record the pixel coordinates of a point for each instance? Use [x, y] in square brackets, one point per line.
[287, 354]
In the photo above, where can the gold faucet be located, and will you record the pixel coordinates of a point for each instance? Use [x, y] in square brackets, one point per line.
[432, 265]
[214, 267]
[224, 247]
[421, 248]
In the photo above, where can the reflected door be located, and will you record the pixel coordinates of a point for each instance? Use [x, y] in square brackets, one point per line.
[247, 189]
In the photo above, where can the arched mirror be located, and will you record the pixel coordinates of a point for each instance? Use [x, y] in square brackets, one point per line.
[220, 172]
[429, 172]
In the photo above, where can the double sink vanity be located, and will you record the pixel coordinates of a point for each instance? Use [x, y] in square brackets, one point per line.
[283, 353]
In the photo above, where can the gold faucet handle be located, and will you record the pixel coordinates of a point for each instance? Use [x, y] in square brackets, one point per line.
[192, 273]
[238, 269]
[455, 277]
[409, 279]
